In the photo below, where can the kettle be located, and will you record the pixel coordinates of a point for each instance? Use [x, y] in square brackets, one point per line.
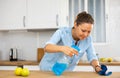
[13, 54]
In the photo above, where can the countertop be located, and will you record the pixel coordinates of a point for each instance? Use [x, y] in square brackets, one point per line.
[40, 74]
[106, 63]
[18, 63]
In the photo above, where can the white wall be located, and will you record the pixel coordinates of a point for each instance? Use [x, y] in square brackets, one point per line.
[24, 41]
[28, 42]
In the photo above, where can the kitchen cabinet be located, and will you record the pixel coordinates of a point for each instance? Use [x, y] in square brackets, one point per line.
[114, 68]
[33, 14]
[30, 67]
[84, 68]
[90, 68]
[47, 13]
[12, 14]
[8, 67]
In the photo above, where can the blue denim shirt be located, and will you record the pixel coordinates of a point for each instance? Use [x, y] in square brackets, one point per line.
[63, 36]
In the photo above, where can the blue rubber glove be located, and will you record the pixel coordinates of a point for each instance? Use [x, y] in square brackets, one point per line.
[103, 71]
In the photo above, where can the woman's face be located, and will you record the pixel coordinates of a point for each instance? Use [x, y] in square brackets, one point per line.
[82, 31]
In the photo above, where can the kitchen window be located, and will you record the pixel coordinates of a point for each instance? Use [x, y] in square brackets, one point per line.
[97, 9]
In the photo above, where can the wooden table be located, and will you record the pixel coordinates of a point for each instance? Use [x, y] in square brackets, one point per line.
[40, 74]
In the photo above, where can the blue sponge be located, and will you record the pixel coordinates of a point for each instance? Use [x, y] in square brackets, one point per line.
[103, 71]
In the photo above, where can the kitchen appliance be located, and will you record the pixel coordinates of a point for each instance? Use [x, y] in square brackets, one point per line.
[13, 56]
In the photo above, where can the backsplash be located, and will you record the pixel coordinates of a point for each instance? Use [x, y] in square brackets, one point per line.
[25, 42]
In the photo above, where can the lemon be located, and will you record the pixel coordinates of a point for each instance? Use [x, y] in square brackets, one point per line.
[109, 59]
[103, 59]
[18, 71]
[25, 72]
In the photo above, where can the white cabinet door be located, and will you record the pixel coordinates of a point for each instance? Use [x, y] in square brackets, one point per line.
[8, 67]
[46, 13]
[12, 14]
[114, 68]
[32, 67]
[83, 68]
[63, 13]
[90, 68]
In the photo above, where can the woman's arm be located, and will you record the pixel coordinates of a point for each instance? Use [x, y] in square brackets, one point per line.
[52, 48]
[57, 48]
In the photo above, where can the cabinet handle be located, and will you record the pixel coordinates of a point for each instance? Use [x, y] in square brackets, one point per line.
[24, 21]
[57, 17]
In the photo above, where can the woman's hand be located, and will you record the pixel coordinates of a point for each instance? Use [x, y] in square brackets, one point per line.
[69, 51]
[96, 65]
[98, 68]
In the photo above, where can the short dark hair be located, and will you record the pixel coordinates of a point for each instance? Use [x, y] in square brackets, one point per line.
[84, 17]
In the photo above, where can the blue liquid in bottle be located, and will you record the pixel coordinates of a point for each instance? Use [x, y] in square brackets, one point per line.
[60, 66]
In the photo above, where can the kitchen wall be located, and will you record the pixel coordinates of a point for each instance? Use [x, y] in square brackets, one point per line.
[27, 42]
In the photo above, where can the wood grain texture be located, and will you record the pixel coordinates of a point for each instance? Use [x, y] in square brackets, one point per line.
[40, 53]
[41, 74]
[17, 63]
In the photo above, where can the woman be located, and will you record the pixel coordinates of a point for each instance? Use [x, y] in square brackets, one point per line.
[61, 41]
